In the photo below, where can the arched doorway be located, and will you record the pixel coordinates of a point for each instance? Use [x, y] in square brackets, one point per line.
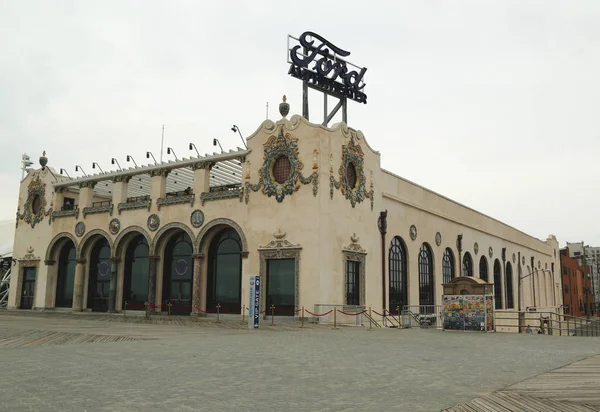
[398, 292]
[65, 280]
[178, 273]
[224, 283]
[99, 278]
[509, 287]
[137, 268]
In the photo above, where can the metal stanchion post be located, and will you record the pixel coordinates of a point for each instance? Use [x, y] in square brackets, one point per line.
[302, 317]
[334, 318]
[370, 319]
[125, 310]
[146, 309]
[272, 314]
[398, 312]
[243, 313]
[218, 310]
[169, 309]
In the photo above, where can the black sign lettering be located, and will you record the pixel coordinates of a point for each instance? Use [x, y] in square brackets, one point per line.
[329, 72]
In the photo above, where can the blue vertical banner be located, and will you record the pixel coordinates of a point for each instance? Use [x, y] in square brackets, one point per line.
[254, 307]
[256, 301]
[251, 303]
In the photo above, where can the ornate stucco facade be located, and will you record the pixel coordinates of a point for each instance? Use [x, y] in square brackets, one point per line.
[300, 192]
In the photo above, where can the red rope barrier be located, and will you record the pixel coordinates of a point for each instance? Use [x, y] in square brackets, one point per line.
[200, 310]
[352, 314]
[316, 314]
[380, 314]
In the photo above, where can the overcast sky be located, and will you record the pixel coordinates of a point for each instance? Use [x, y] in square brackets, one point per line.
[493, 104]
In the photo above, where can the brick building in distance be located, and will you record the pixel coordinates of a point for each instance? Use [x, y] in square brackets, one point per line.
[578, 298]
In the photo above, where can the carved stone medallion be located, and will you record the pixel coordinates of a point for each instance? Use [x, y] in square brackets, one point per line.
[514, 258]
[491, 252]
[476, 248]
[153, 222]
[80, 229]
[197, 218]
[114, 226]
[523, 260]
[438, 238]
[413, 232]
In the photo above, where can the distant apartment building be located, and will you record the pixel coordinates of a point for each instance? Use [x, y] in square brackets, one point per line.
[578, 299]
[589, 256]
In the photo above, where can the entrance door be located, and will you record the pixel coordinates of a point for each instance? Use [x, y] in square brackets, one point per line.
[28, 289]
[99, 282]
[281, 286]
[177, 272]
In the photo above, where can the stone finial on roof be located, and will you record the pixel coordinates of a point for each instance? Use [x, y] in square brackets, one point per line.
[284, 107]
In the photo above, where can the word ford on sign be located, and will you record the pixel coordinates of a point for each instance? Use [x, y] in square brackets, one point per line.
[329, 73]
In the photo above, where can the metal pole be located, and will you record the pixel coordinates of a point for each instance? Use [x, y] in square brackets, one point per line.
[218, 311]
[272, 314]
[334, 318]
[302, 317]
[169, 309]
[125, 310]
[244, 309]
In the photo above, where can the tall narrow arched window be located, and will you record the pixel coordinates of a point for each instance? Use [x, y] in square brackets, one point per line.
[483, 269]
[467, 268]
[426, 296]
[99, 277]
[498, 284]
[448, 265]
[397, 267]
[66, 276]
[509, 287]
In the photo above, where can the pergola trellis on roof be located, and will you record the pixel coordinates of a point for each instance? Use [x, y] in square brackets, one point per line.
[227, 170]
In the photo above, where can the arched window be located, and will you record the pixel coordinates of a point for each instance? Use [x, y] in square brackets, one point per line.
[467, 269]
[483, 269]
[397, 267]
[448, 265]
[498, 284]
[99, 280]
[137, 269]
[177, 274]
[66, 276]
[225, 271]
[426, 296]
[509, 287]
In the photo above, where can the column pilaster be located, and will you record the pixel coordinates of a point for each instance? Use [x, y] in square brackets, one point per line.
[152, 281]
[78, 285]
[112, 294]
[199, 285]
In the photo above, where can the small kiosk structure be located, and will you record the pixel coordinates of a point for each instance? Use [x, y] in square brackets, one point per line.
[468, 304]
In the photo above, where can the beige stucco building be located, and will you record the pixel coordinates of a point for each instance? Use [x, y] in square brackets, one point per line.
[301, 206]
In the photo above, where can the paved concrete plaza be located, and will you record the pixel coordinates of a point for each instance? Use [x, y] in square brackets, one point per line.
[107, 363]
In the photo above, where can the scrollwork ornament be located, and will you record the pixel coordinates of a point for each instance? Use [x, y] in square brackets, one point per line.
[36, 199]
[275, 147]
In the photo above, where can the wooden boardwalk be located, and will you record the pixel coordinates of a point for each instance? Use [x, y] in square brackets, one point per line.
[572, 388]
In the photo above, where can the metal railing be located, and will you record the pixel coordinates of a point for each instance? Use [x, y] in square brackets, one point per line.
[341, 318]
[225, 188]
[546, 323]
[137, 199]
[102, 203]
[423, 316]
[180, 193]
[68, 207]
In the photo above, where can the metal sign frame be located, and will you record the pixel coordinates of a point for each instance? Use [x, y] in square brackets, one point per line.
[339, 86]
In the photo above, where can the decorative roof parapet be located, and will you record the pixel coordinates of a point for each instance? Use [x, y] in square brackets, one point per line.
[150, 169]
[227, 194]
[168, 201]
[143, 204]
[97, 209]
